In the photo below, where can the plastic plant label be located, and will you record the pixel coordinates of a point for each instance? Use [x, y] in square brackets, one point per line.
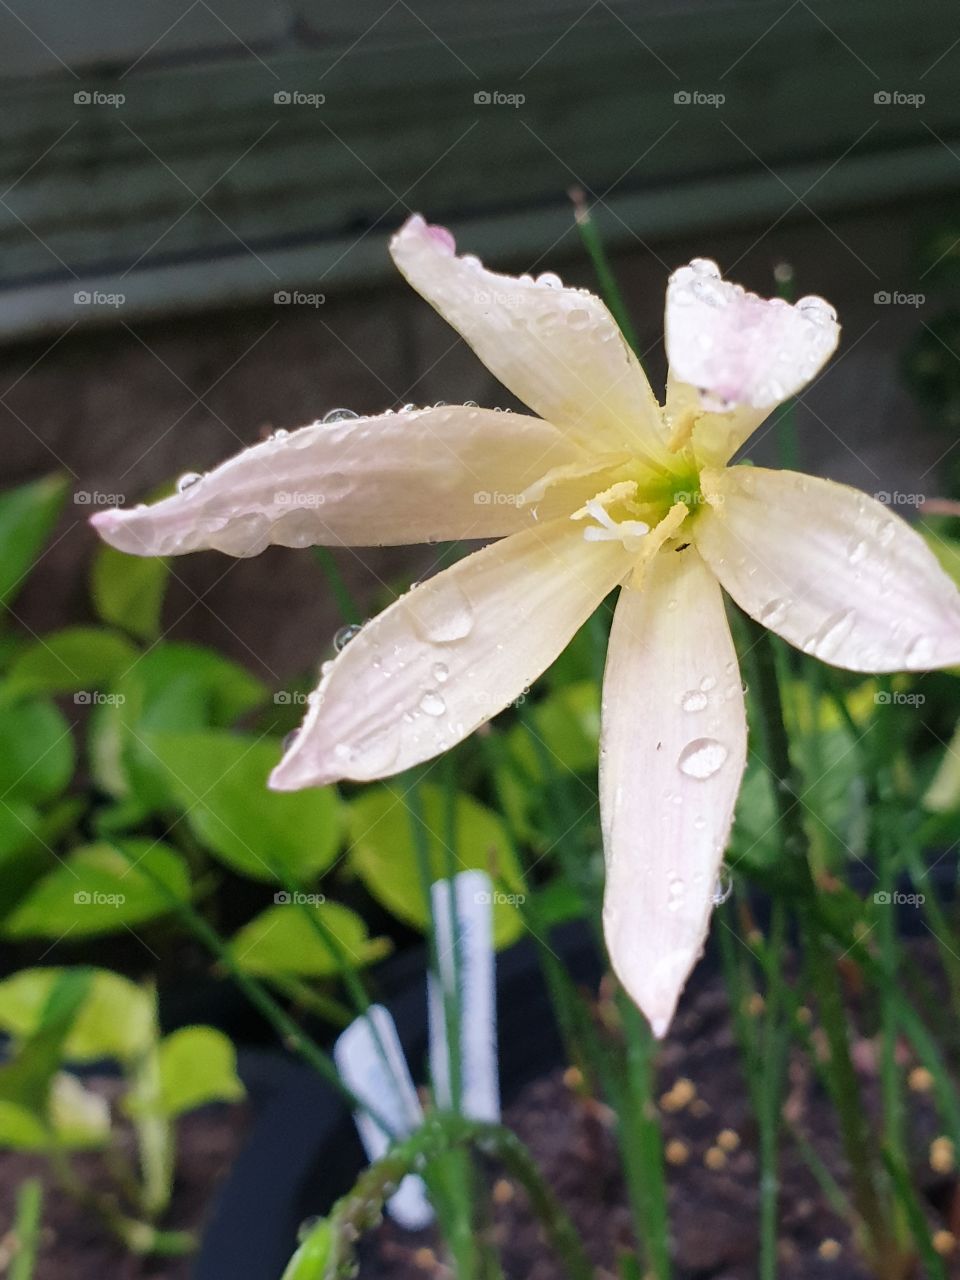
[371, 1064]
[472, 917]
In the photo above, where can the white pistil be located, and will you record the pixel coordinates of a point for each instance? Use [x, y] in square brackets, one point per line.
[630, 532]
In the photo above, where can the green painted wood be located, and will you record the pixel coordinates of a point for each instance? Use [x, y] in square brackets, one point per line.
[301, 196]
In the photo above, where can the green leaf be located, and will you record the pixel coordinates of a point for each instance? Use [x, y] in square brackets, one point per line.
[128, 591]
[219, 782]
[172, 688]
[96, 890]
[568, 726]
[78, 659]
[36, 752]
[280, 941]
[116, 1019]
[384, 854]
[197, 1065]
[25, 1080]
[27, 517]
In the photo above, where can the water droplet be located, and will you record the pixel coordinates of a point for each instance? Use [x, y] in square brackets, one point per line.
[707, 683]
[705, 267]
[281, 433]
[188, 480]
[774, 612]
[694, 700]
[578, 318]
[339, 415]
[441, 616]
[550, 279]
[346, 634]
[701, 758]
[723, 888]
[675, 893]
[856, 550]
[432, 704]
[441, 672]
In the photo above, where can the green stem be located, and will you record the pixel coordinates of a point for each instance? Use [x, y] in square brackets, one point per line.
[26, 1229]
[346, 603]
[609, 288]
[360, 1209]
[858, 1142]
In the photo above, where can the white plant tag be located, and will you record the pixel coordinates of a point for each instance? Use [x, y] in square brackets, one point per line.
[479, 1074]
[378, 1075]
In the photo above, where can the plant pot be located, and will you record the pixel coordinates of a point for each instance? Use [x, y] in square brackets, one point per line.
[303, 1151]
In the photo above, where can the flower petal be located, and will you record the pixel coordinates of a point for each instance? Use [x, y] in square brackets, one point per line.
[422, 475]
[743, 354]
[559, 350]
[450, 654]
[829, 569]
[673, 749]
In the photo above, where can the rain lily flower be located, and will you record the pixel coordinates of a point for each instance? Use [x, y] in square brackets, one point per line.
[604, 489]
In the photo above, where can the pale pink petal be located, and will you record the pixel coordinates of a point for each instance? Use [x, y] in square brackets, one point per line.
[829, 569]
[742, 354]
[672, 753]
[421, 475]
[450, 654]
[557, 349]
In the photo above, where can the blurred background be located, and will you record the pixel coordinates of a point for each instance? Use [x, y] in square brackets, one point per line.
[196, 199]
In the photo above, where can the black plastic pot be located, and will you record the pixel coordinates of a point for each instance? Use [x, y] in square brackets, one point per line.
[303, 1151]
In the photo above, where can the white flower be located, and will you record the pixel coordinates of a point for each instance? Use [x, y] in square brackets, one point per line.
[604, 489]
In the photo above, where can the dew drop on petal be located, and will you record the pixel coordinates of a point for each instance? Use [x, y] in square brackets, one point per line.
[550, 279]
[723, 888]
[441, 672]
[188, 480]
[441, 616]
[702, 758]
[578, 318]
[346, 634]
[675, 893]
[432, 704]
[339, 415]
[694, 700]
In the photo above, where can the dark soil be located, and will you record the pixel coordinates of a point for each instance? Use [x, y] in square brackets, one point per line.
[711, 1141]
[75, 1244]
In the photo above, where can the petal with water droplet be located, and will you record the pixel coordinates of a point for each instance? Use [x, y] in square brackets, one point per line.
[834, 572]
[734, 356]
[421, 475]
[558, 349]
[450, 654]
[668, 778]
